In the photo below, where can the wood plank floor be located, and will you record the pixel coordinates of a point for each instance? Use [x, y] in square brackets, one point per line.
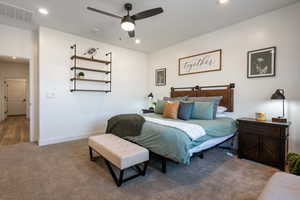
[14, 130]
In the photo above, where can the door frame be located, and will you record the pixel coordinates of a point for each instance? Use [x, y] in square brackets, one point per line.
[32, 97]
[26, 90]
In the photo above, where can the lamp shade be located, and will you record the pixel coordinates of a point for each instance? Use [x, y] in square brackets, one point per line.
[279, 94]
[150, 95]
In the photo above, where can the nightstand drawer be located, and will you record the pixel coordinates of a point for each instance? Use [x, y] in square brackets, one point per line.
[271, 131]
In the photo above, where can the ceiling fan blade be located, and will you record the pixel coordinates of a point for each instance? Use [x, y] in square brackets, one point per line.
[103, 12]
[131, 34]
[147, 13]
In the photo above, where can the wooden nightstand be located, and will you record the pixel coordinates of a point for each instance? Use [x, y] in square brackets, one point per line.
[264, 142]
[145, 111]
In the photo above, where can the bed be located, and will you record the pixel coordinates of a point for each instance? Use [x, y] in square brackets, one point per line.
[173, 143]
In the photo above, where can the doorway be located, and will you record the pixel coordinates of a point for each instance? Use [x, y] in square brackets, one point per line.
[14, 118]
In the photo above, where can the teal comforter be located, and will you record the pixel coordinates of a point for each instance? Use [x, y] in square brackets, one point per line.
[175, 144]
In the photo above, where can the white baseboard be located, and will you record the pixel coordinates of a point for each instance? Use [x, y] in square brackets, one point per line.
[67, 139]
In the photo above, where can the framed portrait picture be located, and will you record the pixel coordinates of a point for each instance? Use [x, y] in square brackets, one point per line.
[199, 63]
[262, 63]
[160, 77]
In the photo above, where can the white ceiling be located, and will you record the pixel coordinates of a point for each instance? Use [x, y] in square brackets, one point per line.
[182, 19]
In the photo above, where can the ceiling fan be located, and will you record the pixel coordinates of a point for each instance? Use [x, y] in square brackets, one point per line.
[128, 21]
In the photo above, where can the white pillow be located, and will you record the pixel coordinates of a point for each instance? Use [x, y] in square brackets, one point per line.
[221, 115]
[221, 109]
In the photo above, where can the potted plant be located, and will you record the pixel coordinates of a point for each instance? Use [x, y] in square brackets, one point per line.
[294, 163]
[81, 75]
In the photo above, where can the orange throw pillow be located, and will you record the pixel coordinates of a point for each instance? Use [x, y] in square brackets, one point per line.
[171, 109]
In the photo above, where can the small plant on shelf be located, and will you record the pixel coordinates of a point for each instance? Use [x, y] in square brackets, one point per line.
[80, 75]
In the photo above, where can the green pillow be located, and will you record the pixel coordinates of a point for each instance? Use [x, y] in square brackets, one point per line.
[203, 110]
[159, 107]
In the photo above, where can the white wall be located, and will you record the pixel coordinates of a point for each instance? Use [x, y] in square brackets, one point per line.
[11, 70]
[76, 115]
[280, 28]
[22, 44]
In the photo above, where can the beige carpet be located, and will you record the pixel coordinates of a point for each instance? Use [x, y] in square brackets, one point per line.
[64, 172]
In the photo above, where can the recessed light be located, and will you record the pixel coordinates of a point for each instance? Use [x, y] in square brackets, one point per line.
[14, 57]
[223, 1]
[43, 11]
[137, 41]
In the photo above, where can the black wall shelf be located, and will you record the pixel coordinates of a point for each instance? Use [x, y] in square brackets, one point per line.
[90, 59]
[76, 80]
[90, 80]
[89, 69]
[81, 90]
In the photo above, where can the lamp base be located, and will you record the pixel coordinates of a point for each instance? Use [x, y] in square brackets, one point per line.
[279, 120]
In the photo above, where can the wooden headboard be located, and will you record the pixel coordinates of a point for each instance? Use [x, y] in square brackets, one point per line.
[226, 91]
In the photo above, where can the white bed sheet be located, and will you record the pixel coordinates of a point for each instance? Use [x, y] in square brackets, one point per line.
[208, 144]
[194, 131]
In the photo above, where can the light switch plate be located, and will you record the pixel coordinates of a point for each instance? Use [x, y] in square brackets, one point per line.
[51, 95]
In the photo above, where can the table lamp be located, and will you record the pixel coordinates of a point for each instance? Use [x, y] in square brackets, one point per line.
[279, 95]
[150, 97]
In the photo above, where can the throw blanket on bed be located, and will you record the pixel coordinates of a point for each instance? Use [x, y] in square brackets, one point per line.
[125, 125]
[194, 131]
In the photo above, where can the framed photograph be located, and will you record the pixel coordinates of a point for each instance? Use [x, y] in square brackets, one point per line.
[262, 63]
[203, 62]
[160, 77]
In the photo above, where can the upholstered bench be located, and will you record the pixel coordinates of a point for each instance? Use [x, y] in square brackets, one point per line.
[121, 153]
[282, 186]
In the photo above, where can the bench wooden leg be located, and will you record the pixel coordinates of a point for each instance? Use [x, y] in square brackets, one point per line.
[120, 178]
[111, 171]
[142, 172]
[91, 154]
[145, 168]
[119, 181]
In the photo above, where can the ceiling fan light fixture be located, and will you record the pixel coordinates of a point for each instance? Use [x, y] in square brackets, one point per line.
[128, 21]
[128, 24]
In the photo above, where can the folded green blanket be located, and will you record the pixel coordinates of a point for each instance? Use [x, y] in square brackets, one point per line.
[294, 163]
[125, 125]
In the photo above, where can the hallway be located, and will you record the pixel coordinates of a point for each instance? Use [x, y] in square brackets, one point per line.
[14, 130]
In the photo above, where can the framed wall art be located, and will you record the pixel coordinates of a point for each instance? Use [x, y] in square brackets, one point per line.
[160, 77]
[261, 63]
[200, 63]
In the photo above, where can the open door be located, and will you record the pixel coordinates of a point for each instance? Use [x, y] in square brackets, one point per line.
[16, 97]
